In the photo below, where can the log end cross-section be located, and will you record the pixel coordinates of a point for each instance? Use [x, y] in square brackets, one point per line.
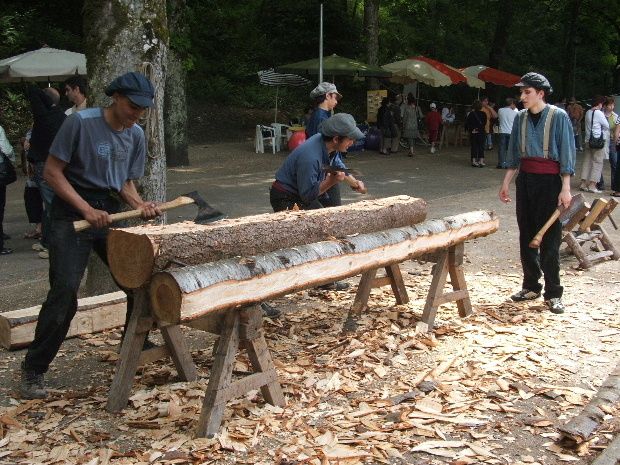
[132, 253]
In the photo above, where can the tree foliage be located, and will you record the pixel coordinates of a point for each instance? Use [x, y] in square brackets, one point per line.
[225, 43]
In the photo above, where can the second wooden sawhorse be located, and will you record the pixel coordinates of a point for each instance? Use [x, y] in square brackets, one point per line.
[447, 262]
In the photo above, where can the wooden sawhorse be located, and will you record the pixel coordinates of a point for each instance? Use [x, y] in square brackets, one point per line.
[237, 328]
[585, 237]
[448, 261]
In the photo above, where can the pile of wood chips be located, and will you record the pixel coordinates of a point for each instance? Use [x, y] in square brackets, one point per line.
[487, 389]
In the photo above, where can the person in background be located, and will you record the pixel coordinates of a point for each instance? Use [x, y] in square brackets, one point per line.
[47, 118]
[75, 91]
[575, 113]
[506, 116]
[487, 108]
[7, 149]
[474, 125]
[385, 123]
[543, 184]
[410, 123]
[398, 122]
[614, 128]
[433, 125]
[32, 196]
[596, 125]
[447, 114]
[326, 97]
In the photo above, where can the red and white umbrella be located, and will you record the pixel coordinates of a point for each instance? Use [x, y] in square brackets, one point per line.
[488, 74]
[431, 72]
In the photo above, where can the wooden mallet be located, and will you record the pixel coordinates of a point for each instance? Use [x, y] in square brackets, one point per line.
[206, 213]
[561, 213]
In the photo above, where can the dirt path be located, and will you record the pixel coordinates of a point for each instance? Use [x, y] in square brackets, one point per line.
[515, 371]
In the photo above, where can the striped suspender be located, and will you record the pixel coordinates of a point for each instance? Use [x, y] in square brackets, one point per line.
[546, 134]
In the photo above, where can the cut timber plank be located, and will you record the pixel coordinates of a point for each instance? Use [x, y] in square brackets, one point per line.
[134, 254]
[94, 314]
[184, 294]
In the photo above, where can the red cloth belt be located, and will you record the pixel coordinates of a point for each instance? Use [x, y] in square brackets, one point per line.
[539, 165]
[277, 185]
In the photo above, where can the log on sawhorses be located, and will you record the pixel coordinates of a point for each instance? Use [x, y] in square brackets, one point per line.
[447, 261]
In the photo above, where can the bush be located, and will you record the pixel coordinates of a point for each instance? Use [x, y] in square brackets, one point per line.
[15, 116]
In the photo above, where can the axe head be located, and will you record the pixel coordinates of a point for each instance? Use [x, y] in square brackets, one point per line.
[206, 213]
[334, 169]
[576, 203]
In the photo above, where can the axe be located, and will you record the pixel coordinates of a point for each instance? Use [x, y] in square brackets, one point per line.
[564, 215]
[206, 213]
[350, 180]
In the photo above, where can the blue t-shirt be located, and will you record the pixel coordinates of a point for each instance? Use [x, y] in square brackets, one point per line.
[301, 173]
[97, 156]
[314, 123]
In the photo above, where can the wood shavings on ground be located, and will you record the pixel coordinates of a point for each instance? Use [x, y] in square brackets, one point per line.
[489, 389]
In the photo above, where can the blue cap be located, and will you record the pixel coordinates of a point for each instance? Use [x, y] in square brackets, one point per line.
[135, 86]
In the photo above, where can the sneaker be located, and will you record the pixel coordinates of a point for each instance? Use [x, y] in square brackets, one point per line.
[6, 251]
[32, 384]
[555, 305]
[583, 188]
[38, 247]
[475, 164]
[44, 254]
[525, 294]
[269, 310]
[594, 190]
[481, 164]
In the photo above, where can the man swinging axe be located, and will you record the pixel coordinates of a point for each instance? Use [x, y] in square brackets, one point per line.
[542, 148]
[94, 159]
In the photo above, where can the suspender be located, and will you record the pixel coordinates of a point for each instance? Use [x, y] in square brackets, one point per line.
[546, 131]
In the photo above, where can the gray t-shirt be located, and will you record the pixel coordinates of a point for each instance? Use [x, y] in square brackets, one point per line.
[97, 156]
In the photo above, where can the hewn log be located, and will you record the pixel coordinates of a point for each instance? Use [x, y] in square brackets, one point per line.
[134, 254]
[581, 427]
[184, 294]
[94, 314]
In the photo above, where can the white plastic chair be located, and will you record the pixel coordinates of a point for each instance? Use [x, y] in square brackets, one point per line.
[281, 135]
[265, 134]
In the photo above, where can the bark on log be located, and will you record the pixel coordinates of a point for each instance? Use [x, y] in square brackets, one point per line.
[94, 314]
[184, 294]
[581, 427]
[611, 455]
[134, 254]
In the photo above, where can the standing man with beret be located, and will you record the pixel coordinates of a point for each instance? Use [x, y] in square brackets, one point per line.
[542, 148]
[93, 161]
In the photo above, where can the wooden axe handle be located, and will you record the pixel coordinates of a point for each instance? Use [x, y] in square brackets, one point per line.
[354, 183]
[535, 242]
[81, 225]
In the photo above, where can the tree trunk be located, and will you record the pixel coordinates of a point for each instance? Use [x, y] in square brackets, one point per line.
[121, 35]
[136, 253]
[185, 294]
[498, 46]
[175, 101]
[570, 38]
[371, 26]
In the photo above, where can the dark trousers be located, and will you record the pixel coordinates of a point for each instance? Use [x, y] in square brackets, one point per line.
[47, 195]
[476, 141]
[68, 260]
[537, 199]
[281, 201]
[2, 204]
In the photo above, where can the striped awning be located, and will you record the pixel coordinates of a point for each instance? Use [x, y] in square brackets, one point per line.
[269, 77]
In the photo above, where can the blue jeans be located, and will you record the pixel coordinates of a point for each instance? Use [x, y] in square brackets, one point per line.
[504, 139]
[69, 251]
[47, 194]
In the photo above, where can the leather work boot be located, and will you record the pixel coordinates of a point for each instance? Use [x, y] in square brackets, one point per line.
[32, 384]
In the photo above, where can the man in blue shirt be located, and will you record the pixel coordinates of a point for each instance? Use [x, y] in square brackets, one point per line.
[93, 160]
[302, 180]
[542, 148]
